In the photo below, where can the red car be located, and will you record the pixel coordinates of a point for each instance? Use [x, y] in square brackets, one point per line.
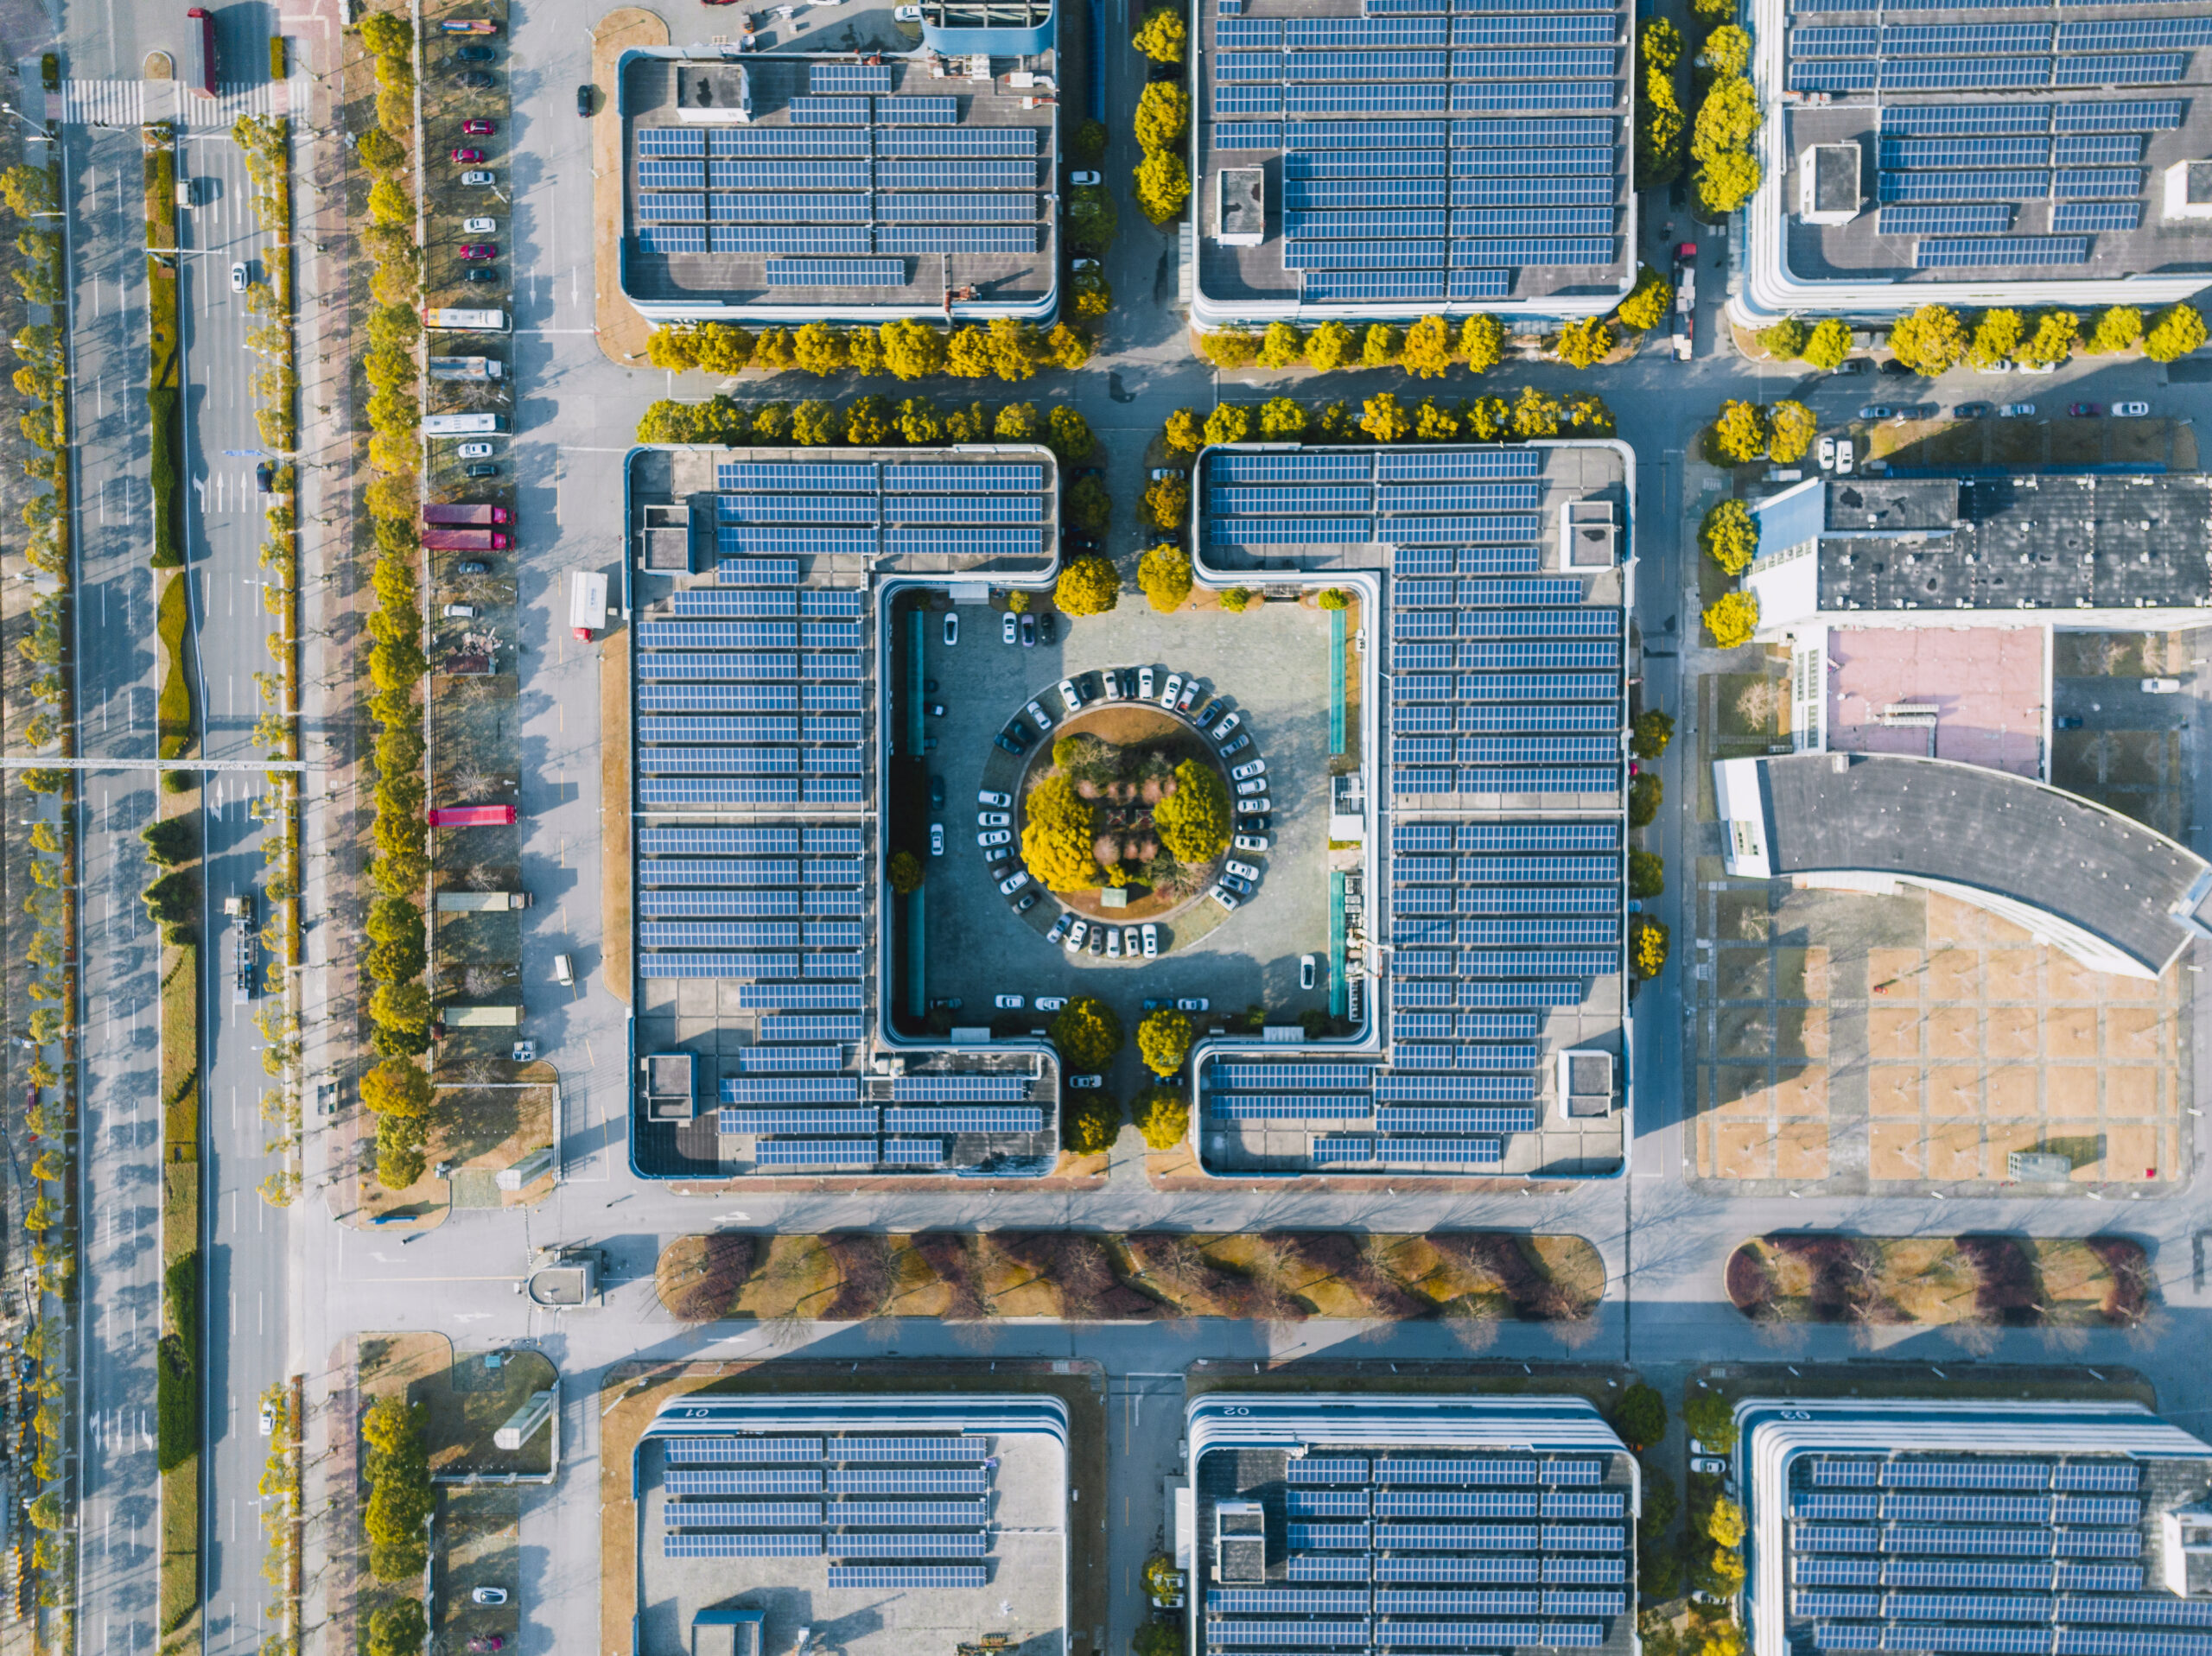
[477, 127]
[466, 157]
[477, 252]
[2085, 411]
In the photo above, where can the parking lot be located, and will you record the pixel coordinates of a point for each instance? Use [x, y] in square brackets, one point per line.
[1270, 665]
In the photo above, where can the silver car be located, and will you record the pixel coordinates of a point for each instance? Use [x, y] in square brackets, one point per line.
[1132, 944]
[1014, 882]
[1252, 785]
[1220, 731]
[1070, 698]
[1039, 717]
[1252, 807]
[1243, 869]
[1151, 940]
[1060, 927]
[1226, 898]
[1110, 683]
[1174, 688]
[1113, 943]
[1253, 768]
[1255, 843]
[1076, 937]
[993, 819]
[996, 836]
[1190, 695]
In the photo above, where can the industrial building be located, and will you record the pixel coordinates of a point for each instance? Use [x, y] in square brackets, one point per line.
[905, 1523]
[1450, 1525]
[768, 183]
[759, 714]
[1397, 158]
[1950, 155]
[1983, 1528]
[1491, 919]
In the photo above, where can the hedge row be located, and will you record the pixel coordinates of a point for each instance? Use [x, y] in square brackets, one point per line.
[1383, 418]
[865, 422]
[1005, 349]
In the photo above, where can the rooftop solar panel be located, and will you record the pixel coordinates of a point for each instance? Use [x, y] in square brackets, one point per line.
[907, 1576]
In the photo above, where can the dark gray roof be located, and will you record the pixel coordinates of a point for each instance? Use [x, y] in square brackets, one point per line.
[2010, 836]
[1835, 178]
[2018, 542]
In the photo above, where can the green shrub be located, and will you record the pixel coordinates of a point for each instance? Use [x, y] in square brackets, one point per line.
[172, 715]
[1647, 874]
[1640, 1416]
[169, 495]
[1644, 795]
[1785, 340]
[1652, 731]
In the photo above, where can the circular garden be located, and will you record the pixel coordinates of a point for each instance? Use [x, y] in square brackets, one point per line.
[1130, 798]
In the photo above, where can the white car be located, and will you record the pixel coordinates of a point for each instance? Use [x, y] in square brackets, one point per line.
[1827, 453]
[1174, 688]
[1083, 181]
[1255, 768]
[474, 451]
[1008, 1003]
[1051, 1003]
[2017, 411]
[1223, 895]
[479, 226]
[1846, 456]
[1076, 937]
[1220, 731]
[1192, 1003]
[997, 836]
[1059, 927]
[1190, 695]
[1252, 785]
[951, 627]
[936, 839]
[1144, 684]
[1307, 964]
[1131, 943]
[1242, 870]
[993, 819]
[1151, 941]
[1251, 808]
[996, 802]
[1039, 717]
[1706, 1467]
[1255, 843]
[461, 611]
[1009, 628]
[1085, 1083]
[480, 178]
[2162, 687]
[1113, 943]
[490, 1595]
[1014, 882]
[268, 1419]
[238, 278]
[2130, 410]
[1110, 683]
[1070, 698]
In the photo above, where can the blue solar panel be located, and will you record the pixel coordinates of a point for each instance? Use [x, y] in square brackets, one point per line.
[1246, 134]
[910, 1544]
[1937, 39]
[1445, 1569]
[836, 273]
[918, 111]
[2160, 115]
[816, 141]
[1278, 1076]
[1965, 152]
[758, 572]
[1976, 218]
[1405, 98]
[972, 1118]
[1361, 134]
[1937, 120]
[1291, 1107]
[672, 141]
[789, 175]
[2128, 68]
[1364, 32]
[2002, 250]
[2085, 183]
[694, 1543]
[964, 142]
[956, 238]
[1323, 1566]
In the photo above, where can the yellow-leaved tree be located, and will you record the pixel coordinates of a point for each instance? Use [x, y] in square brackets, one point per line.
[1194, 821]
[1057, 837]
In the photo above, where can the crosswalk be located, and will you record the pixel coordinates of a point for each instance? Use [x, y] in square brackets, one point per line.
[103, 103]
[124, 103]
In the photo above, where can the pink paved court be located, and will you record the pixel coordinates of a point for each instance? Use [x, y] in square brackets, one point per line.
[1986, 684]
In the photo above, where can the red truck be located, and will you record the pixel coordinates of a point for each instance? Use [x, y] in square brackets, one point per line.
[472, 816]
[464, 539]
[461, 514]
[199, 23]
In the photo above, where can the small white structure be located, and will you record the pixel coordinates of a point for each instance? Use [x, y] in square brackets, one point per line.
[524, 1423]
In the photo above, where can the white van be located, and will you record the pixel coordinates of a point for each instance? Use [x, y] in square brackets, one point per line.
[462, 425]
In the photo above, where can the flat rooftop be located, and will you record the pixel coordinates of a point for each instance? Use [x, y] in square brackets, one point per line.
[1454, 1532]
[756, 849]
[1450, 155]
[2029, 145]
[2029, 542]
[795, 187]
[1975, 694]
[890, 1531]
[1986, 831]
[1502, 855]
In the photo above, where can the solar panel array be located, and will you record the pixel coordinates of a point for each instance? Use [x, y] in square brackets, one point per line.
[851, 193]
[2005, 183]
[893, 1536]
[1341, 1576]
[1536, 143]
[1998, 1554]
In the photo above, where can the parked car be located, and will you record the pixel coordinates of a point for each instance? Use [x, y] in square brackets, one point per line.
[1847, 455]
[1007, 744]
[1018, 731]
[238, 278]
[1029, 902]
[1237, 884]
[1253, 785]
[479, 226]
[465, 157]
[2067, 721]
[1085, 1083]
[996, 802]
[473, 54]
[1008, 1003]
[1227, 899]
[1077, 935]
[995, 836]
[1009, 628]
[951, 628]
[1256, 844]
[2085, 411]
[1971, 411]
[1039, 717]
[471, 566]
[1174, 688]
[1706, 1467]
[1827, 453]
[1852, 365]
[459, 611]
[1876, 411]
[1151, 934]
[489, 1595]
[1253, 808]
[1242, 870]
[1028, 630]
[477, 127]
[564, 971]
[1145, 684]
[1895, 368]
[484, 1641]
[474, 451]
[1083, 181]
[480, 179]
[479, 469]
[263, 475]
[478, 80]
[1113, 943]
[479, 252]
[583, 100]
[1253, 825]
[2017, 411]
[1211, 711]
[1070, 697]
[268, 1419]
[1047, 628]
[1220, 731]
[1192, 1003]
[2162, 687]
[1256, 768]
[1098, 940]
[1059, 930]
[1190, 695]
[1306, 966]
[479, 273]
[993, 819]
[2130, 410]
[936, 839]
[1109, 683]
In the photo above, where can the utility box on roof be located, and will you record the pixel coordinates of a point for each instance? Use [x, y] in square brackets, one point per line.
[1240, 1542]
[1243, 206]
[1828, 183]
